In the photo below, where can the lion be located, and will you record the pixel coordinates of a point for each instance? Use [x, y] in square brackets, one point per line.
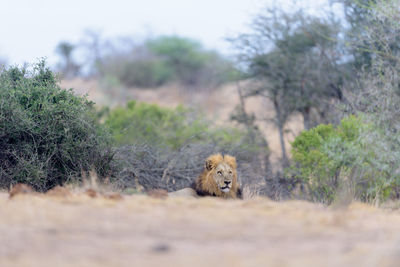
[218, 179]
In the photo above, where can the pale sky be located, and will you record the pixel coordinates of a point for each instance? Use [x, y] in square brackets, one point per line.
[31, 29]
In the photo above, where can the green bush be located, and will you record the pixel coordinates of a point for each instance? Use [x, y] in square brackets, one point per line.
[48, 136]
[327, 158]
[139, 123]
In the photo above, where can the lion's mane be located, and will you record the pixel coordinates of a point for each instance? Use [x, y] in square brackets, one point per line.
[205, 184]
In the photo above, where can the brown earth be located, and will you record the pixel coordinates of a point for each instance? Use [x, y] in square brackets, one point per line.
[77, 230]
[217, 105]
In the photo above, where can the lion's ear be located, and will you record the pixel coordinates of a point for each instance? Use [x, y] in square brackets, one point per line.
[212, 161]
[209, 165]
[231, 161]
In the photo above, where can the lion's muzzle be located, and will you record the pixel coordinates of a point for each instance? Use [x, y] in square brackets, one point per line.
[226, 187]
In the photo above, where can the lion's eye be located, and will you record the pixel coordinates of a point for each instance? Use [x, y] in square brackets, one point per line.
[219, 173]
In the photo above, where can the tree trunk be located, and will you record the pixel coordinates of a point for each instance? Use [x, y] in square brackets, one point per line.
[249, 123]
[280, 124]
[306, 118]
[282, 141]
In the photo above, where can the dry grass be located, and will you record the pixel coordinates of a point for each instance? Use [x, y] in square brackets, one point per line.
[77, 230]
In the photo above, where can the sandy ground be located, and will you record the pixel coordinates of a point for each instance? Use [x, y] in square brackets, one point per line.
[217, 105]
[142, 231]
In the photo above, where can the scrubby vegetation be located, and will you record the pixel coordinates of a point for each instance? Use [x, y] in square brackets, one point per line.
[328, 159]
[342, 74]
[165, 148]
[48, 136]
[360, 155]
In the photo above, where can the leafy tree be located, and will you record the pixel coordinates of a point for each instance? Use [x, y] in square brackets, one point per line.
[361, 154]
[293, 58]
[364, 32]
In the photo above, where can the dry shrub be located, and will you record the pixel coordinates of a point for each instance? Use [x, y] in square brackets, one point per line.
[21, 189]
[162, 168]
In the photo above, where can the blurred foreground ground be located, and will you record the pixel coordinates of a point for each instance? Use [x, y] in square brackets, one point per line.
[142, 231]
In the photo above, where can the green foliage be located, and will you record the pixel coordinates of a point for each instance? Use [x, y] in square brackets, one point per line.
[374, 44]
[169, 58]
[327, 158]
[145, 73]
[139, 123]
[48, 135]
[184, 56]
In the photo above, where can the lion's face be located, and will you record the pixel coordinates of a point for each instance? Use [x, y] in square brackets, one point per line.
[219, 176]
[223, 176]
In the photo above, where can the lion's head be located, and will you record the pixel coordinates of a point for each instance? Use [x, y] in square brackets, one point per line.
[219, 177]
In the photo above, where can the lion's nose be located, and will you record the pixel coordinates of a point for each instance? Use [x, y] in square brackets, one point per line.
[227, 182]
